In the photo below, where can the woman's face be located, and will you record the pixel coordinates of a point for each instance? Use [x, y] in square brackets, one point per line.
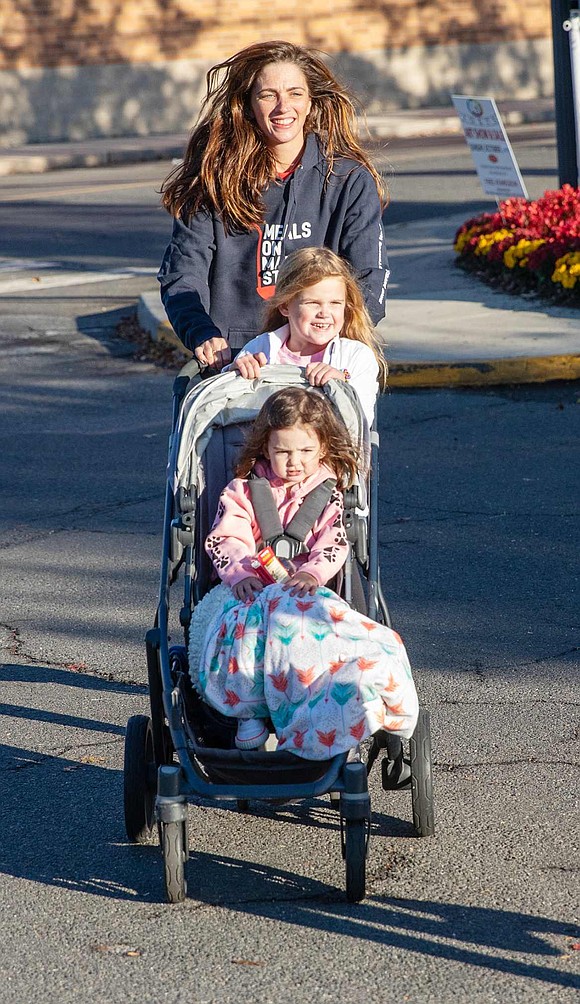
[316, 315]
[294, 453]
[280, 103]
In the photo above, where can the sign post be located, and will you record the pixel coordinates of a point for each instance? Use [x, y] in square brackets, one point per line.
[491, 150]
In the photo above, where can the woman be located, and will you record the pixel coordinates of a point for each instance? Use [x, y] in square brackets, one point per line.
[273, 165]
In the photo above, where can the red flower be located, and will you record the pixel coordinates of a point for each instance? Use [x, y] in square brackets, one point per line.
[233, 665]
[337, 614]
[272, 604]
[298, 738]
[335, 666]
[303, 606]
[239, 630]
[369, 625]
[232, 698]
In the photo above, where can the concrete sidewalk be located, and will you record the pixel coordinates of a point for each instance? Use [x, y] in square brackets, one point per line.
[446, 328]
[38, 158]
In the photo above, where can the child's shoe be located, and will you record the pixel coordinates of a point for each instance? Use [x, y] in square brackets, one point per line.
[252, 733]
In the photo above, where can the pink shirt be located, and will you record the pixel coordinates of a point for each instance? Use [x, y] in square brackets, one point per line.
[295, 359]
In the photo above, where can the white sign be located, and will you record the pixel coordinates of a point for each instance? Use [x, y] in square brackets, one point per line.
[492, 154]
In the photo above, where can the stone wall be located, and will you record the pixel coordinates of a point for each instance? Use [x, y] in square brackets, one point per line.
[71, 69]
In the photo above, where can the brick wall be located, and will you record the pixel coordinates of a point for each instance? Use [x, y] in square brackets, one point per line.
[60, 33]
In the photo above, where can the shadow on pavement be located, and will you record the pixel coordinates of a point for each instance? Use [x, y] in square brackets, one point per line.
[63, 827]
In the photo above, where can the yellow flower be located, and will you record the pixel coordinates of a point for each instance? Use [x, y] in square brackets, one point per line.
[518, 253]
[567, 269]
[486, 241]
[463, 239]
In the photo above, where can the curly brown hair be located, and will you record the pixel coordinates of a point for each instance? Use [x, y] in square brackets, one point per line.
[227, 164]
[305, 407]
[307, 266]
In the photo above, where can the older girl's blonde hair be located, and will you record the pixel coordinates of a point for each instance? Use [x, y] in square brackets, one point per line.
[227, 165]
[306, 267]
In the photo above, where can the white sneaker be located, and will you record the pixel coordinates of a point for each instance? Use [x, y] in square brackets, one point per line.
[252, 733]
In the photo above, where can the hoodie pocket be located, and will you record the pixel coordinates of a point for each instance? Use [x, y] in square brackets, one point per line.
[238, 337]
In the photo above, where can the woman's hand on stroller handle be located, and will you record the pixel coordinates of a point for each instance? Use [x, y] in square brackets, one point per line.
[215, 353]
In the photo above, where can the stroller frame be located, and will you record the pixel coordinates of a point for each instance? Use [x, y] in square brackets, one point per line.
[156, 788]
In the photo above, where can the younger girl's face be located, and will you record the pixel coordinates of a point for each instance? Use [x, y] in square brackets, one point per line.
[294, 453]
[316, 315]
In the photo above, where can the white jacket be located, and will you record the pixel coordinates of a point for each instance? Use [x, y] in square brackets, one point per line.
[342, 353]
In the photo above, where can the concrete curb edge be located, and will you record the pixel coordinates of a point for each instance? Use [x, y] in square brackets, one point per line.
[468, 373]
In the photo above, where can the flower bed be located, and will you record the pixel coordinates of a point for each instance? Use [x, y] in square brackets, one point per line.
[527, 246]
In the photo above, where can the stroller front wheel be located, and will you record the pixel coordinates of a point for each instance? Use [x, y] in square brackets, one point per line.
[174, 847]
[139, 779]
[421, 777]
[355, 854]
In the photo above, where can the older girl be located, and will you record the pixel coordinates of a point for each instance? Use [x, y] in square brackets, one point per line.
[328, 330]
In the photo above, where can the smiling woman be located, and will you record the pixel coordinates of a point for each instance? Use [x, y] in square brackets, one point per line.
[274, 164]
[280, 102]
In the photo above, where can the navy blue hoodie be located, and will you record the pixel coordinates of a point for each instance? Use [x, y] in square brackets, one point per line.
[216, 284]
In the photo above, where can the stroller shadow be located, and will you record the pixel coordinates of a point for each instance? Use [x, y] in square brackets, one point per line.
[63, 826]
[317, 814]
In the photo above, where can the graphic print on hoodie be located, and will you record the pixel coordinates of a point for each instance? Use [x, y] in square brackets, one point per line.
[271, 252]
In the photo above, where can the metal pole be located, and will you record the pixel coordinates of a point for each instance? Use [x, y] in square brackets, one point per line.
[572, 26]
[565, 124]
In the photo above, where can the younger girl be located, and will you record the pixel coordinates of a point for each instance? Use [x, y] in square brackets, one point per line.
[326, 676]
[317, 319]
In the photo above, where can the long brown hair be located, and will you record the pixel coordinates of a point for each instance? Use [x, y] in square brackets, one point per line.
[307, 266]
[227, 164]
[309, 408]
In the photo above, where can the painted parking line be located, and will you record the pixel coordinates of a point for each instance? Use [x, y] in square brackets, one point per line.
[25, 265]
[23, 284]
[23, 195]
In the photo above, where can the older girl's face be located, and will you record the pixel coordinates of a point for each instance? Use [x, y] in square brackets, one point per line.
[316, 315]
[280, 102]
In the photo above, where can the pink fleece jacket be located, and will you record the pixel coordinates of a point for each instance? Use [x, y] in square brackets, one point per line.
[235, 535]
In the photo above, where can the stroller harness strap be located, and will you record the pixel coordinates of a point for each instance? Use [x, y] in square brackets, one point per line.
[287, 543]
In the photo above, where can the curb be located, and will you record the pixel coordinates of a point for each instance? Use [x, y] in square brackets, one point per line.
[468, 373]
[485, 373]
[36, 163]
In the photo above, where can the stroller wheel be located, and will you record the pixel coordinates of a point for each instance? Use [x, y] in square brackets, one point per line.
[421, 777]
[355, 854]
[139, 779]
[174, 848]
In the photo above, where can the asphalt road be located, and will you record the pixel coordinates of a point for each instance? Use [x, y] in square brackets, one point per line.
[478, 526]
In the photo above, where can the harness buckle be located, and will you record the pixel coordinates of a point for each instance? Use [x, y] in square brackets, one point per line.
[286, 547]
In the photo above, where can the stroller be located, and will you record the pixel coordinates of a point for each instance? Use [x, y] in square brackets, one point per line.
[185, 749]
